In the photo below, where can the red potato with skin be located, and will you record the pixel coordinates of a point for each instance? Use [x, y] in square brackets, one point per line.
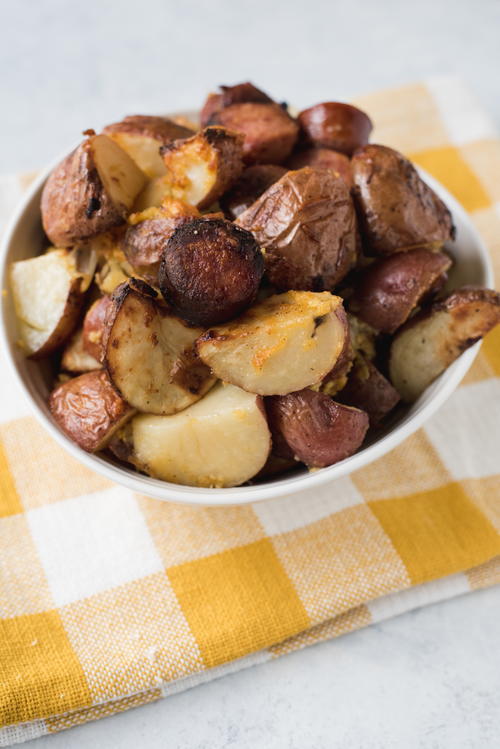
[94, 326]
[313, 428]
[335, 125]
[307, 225]
[322, 158]
[433, 339]
[210, 271]
[397, 209]
[269, 132]
[391, 288]
[89, 410]
[369, 390]
[254, 181]
[238, 94]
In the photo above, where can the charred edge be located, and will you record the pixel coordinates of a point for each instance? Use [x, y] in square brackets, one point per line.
[141, 287]
[317, 322]
[93, 206]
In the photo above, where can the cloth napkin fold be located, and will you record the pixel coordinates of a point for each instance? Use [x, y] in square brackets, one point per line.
[109, 600]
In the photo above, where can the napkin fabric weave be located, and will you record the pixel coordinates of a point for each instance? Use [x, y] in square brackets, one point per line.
[109, 600]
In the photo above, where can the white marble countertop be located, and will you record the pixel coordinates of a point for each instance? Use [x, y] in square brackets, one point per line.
[430, 678]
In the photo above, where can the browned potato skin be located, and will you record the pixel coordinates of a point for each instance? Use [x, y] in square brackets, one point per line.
[398, 210]
[313, 428]
[210, 271]
[322, 158]
[227, 147]
[391, 288]
[270, 133]
[242, 92]
[254, 181]
[74, 203]
[161, 129]
[93, 326]
[88, 410]
[307, 224]
[145, 240]
[337, 377]
[335, 125]
[369, 390]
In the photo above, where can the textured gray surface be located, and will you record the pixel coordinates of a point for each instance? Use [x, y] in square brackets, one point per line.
[430, 678]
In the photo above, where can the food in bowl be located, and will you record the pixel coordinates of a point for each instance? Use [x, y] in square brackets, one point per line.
[223, 304]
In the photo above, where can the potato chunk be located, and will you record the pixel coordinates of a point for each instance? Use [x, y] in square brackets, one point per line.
[141, 136]
[314, 429]
[432, 340]
[149, 353]
[210, 271]
[75, 358]
[223, 440]
[94, 326]
[369, 390]
[92, 190]
[89, 410]
[48, 293]
[307, 225]
[398, 209]
[322, 158]
[285, 343]
[200, 169]
[251, 184]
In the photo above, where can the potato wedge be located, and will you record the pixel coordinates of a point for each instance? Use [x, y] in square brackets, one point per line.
[398, 210]
[307, 225]
[75, 358]
[89, 410]
[251, 184]
[223, 440]
[94, 325]
[391, 288]
[92, 190]
[201, 169]
[149, 353]
[241, 92]
[48, 293]
[210, 271]
[313, 428]
[322, 158]
[369, 390]
[285, 343]
[148, 234]
[434, 338]
[335, 125]
[141, 136]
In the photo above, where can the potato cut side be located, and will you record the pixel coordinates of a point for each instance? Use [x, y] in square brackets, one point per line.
[149, 353]
[121, 177]
[200, 169]
[430, 342]
[75, 358]
[223, 440]
[285, 343]
[144, 150]
[48, 294]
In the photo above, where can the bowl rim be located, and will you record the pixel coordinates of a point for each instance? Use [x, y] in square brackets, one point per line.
[289, 484]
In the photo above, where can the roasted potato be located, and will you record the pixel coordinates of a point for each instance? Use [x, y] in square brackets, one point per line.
[322, 158]
[337, 377]
[89, 410]
[269, 132]
[335, 125]
[287, 342]
[200, 169]
[369, 390]
[148, 234]
[92, 190]
[398, 210]
[434, 338]
[94, 325]
[313, 428]
[141, 137]
[48, 294]
[75, 358]
[223, 440]
[391, 288]
[307, 225]
[149, 354]
[251, 184]
[210, 271]
[242, 92]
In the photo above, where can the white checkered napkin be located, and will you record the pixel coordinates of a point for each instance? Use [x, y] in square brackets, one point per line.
[109, 600]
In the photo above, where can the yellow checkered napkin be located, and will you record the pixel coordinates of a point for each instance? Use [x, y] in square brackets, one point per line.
[109, 600]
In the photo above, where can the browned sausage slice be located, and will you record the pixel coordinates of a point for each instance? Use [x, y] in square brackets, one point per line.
[336, 125]
[322, 158]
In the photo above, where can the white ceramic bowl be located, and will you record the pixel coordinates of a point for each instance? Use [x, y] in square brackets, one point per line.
[24, 238]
